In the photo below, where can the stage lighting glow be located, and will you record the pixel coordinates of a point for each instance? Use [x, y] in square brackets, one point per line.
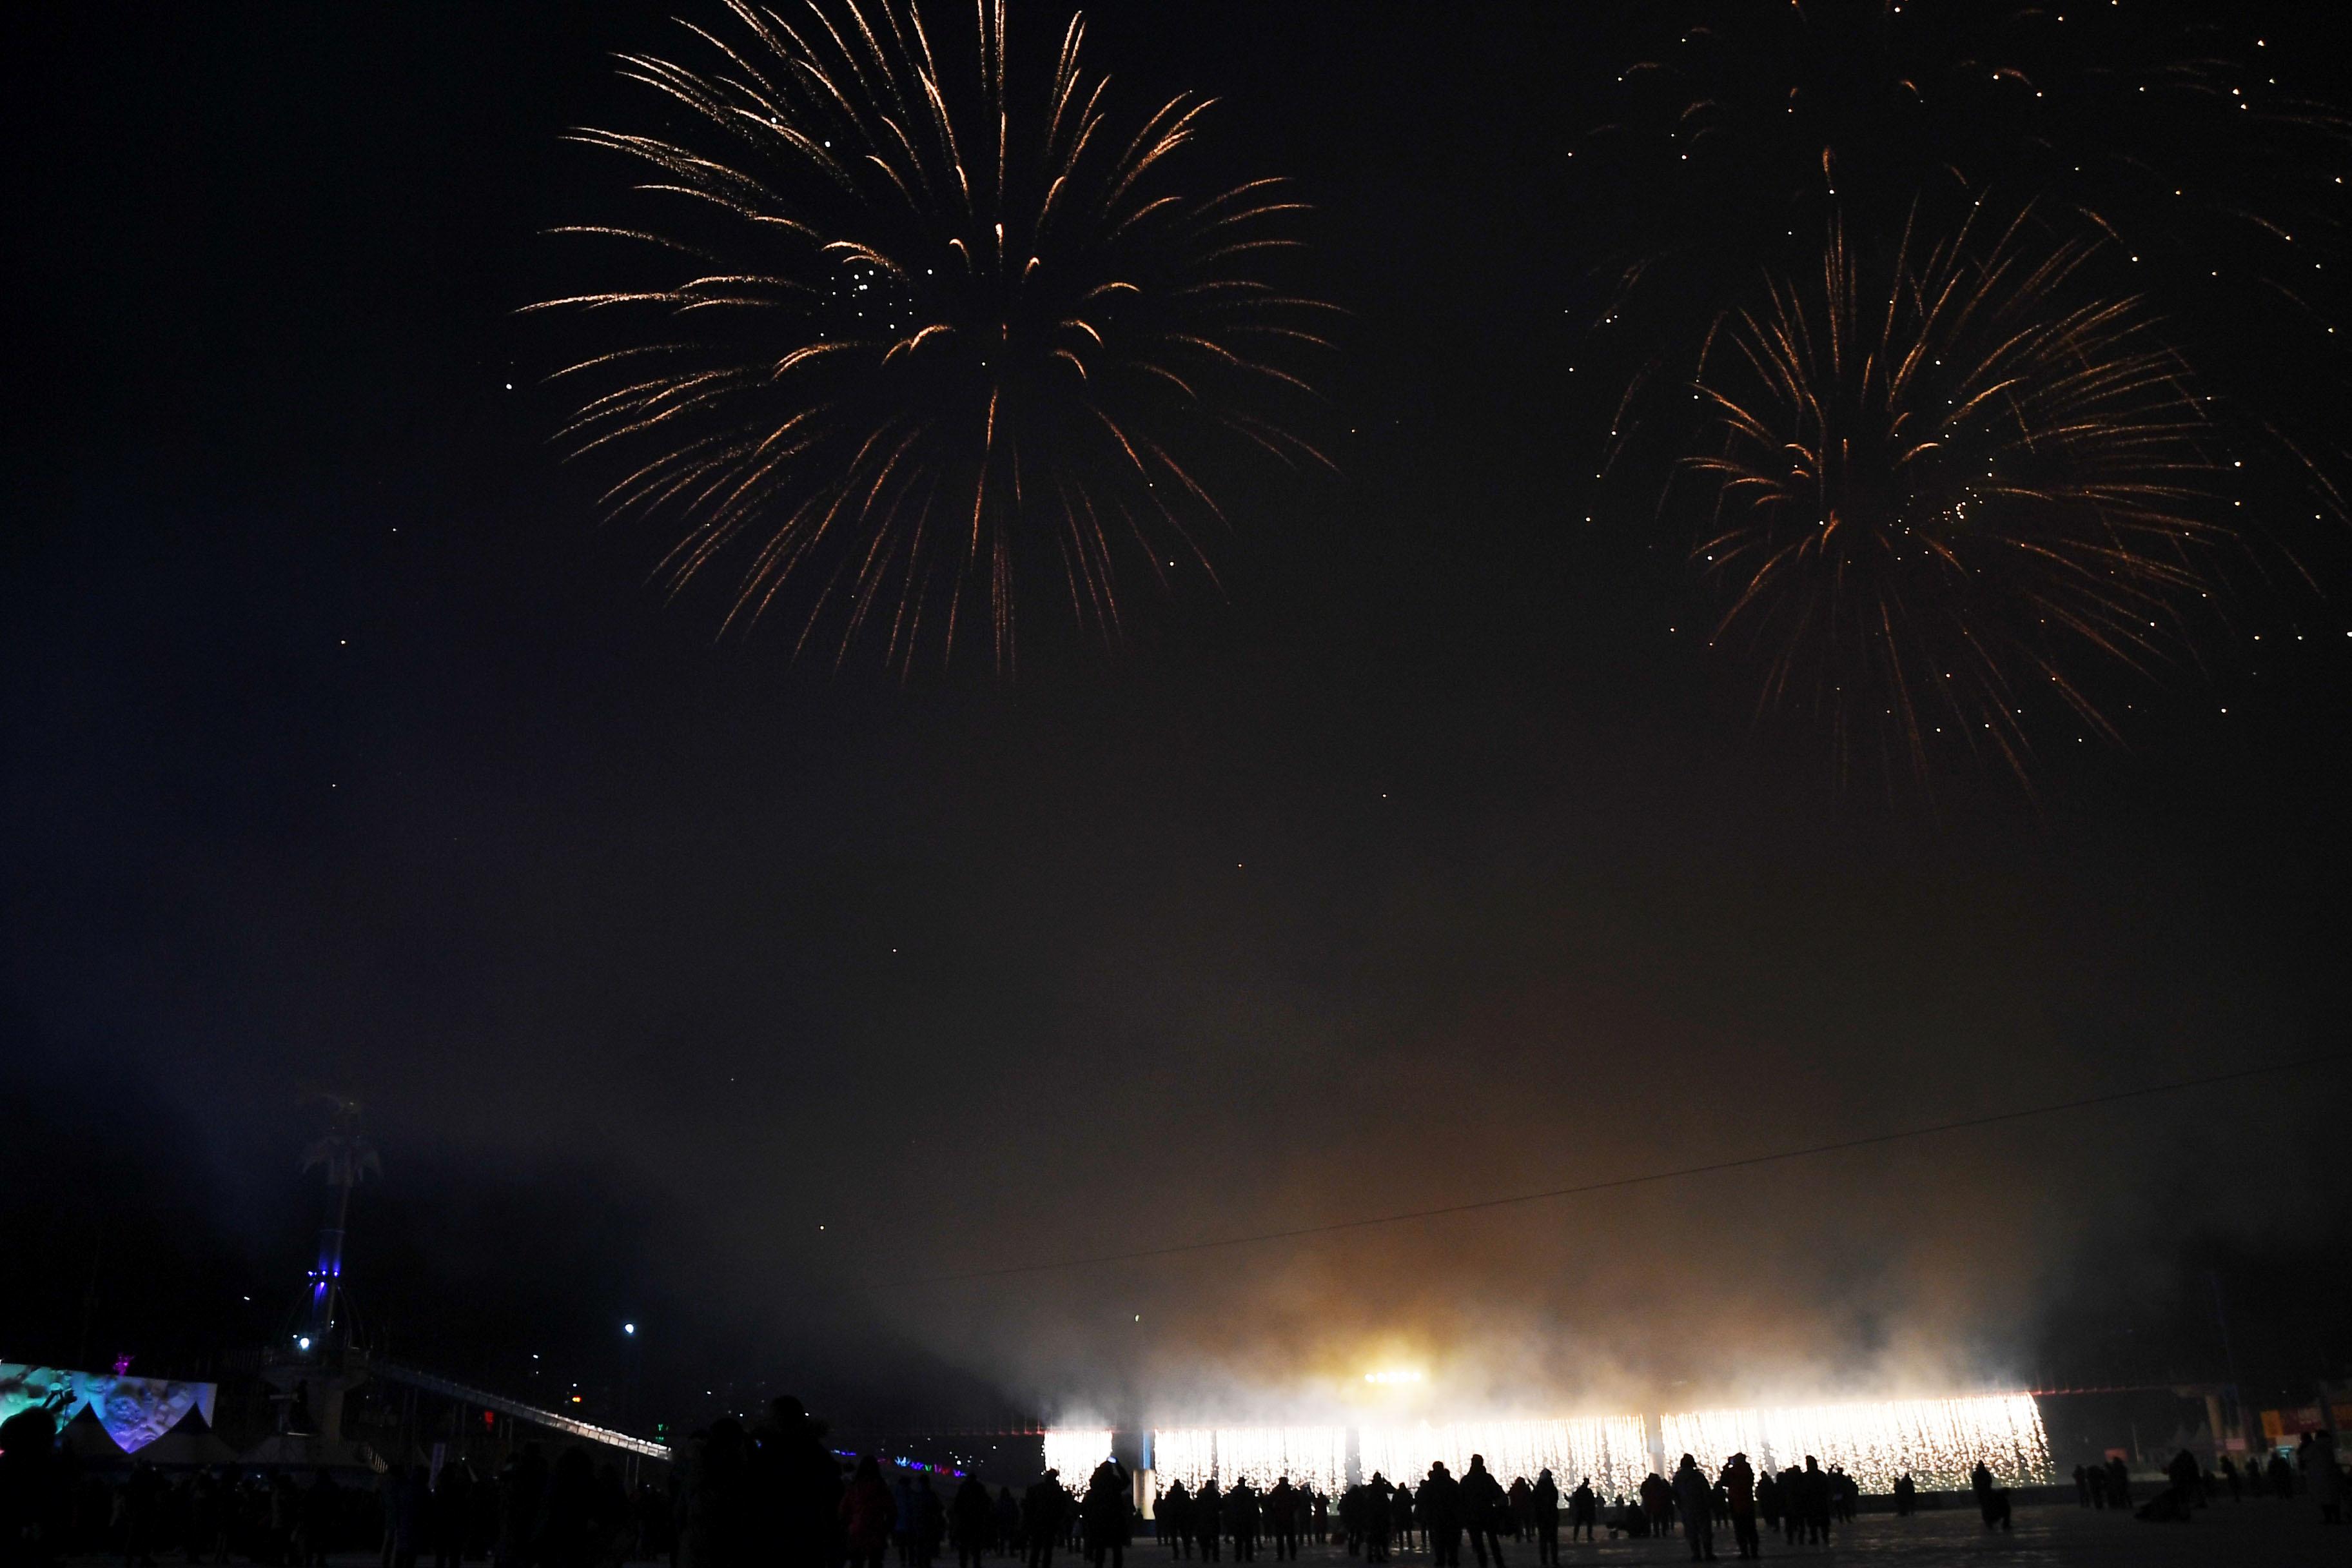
[1392, 1377]
[1309, 1455]
[1939, 1441]
[1613, 1451]
[1076, 1451]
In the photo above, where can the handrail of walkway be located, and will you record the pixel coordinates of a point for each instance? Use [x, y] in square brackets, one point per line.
[411, 1377]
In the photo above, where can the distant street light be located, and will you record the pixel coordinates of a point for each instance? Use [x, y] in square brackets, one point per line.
[628, 1328]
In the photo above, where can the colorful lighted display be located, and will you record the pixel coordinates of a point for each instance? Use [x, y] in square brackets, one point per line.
[135, 1411]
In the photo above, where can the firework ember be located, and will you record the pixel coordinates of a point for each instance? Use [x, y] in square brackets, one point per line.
[905, 338]
[1946, 490]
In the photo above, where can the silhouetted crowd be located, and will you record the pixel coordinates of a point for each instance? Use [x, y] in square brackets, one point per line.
[2316, 1474]
[1440, 1511]
[770, 1494]
[572, 1512]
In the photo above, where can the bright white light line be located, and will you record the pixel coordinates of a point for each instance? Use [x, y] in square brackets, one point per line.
[1939, 1441]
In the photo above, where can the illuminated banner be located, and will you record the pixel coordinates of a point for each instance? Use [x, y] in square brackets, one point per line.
[135, 1411]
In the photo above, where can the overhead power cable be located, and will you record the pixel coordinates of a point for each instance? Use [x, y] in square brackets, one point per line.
[1618, 1183]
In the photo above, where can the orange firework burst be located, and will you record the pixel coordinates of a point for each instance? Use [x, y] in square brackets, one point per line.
[913, 337]
[1949, 487]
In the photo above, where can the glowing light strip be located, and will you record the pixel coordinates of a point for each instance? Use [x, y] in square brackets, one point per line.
[1938, 1441]
[1611, 1451]
[1076, 1451]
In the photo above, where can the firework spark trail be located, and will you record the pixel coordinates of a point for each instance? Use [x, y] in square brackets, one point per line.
[1314, 1456]
[1738, 131]
[1936, 1441]
[1612, 1450]
[1076, 1451]
[1739, 124]
[908, 338]
[1946, 487]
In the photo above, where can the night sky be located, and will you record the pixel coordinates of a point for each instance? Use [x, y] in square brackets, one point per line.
[346, 750]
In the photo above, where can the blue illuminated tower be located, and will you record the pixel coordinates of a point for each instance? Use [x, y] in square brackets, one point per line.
[348, 1157]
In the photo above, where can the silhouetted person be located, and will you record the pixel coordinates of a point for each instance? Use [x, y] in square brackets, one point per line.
[1242, 1519]
[2230, 1478]
[2323, 1475]
[1583, 1509]
[1738, 1486]
[930, 1523]
[320, 1505]
[522, 1486]
[32, 1491]
[1208, 1505]
[902, 1533]
[1169, 1517]
[2280, 1475]
[405, 1527]
[795, 1514]
[972, 1517]
[1008, 1521]
[1282, 1520]
[1484, 1510]
[1543, 1509]
[567, 1538]
[1814, 1488]
[452, 1507]
[1109, 1496]
[1376, 1519]
[1042, 1517]
[2118, 1484]
[1440, 1505]
[1691, 1497]
[869, 1515]
[1657, 1497]
[2182, 1476]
